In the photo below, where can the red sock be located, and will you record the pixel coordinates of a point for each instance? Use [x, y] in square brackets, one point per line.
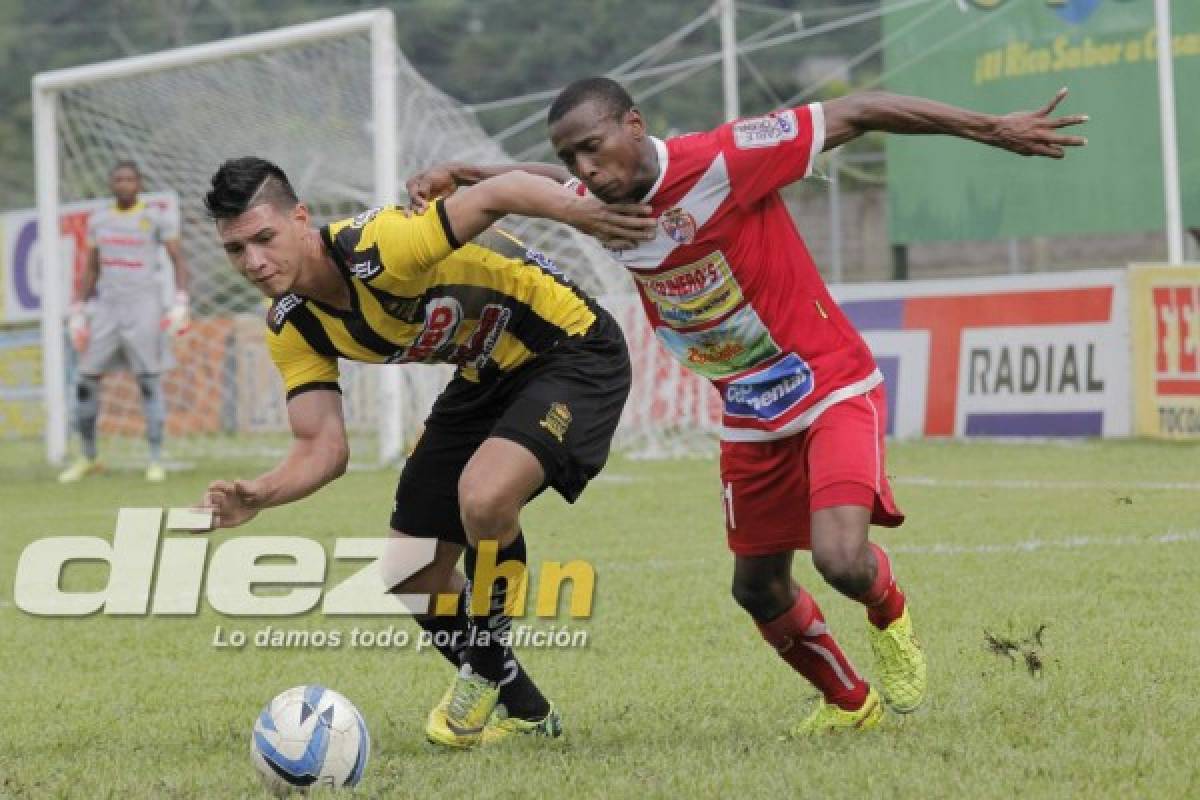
[884, 600]
[800, 637]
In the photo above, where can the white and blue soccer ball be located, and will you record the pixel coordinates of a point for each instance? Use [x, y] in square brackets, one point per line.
[310, 737]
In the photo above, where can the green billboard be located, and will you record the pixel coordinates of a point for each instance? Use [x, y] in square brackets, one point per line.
[1007, 55]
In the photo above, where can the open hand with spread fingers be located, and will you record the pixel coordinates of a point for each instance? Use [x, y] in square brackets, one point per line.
[1037, 133]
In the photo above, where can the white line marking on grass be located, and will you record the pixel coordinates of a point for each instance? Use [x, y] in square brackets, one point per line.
[966, 483]
[615, 477]
[1033, 545]
[943, 549]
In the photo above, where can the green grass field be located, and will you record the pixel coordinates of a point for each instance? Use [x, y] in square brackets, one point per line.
[675, 695]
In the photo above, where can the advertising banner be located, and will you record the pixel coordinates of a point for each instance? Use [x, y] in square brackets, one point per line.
[1165, 304]
[1000, 56]
[1028, 355]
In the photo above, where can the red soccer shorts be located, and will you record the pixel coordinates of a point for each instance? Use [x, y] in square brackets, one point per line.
[770, 489]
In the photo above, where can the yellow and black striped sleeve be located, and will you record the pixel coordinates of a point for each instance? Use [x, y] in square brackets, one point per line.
[394, 241]
[302, 368]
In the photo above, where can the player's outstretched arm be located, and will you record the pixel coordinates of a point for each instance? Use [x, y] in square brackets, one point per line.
[1027, 133]
[472, 210]
[318, 455]
[441, 180]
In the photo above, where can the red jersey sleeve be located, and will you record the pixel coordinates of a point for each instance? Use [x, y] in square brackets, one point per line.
[763, 154]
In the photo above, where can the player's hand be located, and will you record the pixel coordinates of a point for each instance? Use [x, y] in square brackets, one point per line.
[177, 319]
[78, 328]
[1036, 133]
[618, 226]
[232, 503]
[425, 186]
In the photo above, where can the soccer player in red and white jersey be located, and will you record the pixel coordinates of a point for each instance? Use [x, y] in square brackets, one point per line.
[732, 292]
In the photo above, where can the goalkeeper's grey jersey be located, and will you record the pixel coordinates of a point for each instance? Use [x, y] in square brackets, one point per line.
[127, 242]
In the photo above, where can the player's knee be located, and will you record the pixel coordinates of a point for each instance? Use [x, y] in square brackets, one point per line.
[840, 560]
[151, 388]
[763, 599]
[487, 512]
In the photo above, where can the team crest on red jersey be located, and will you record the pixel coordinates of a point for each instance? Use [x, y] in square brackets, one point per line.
[679, 225]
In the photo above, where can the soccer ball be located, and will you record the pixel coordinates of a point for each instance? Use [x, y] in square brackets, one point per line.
[309, 736]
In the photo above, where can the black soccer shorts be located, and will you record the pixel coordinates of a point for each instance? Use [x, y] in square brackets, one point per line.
[563, 406]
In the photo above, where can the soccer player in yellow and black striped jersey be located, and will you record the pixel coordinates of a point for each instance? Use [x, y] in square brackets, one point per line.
[542, 377]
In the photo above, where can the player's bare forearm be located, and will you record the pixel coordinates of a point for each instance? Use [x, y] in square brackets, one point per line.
[319, 449]
[308, 465]
[1030, 133]
[175, 251]
[442, 179]
[855, 114]
[318, 455]
[472, 210]
[91, 271]
[470, 174]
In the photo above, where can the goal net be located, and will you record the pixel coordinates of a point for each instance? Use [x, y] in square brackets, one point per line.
[347, 117]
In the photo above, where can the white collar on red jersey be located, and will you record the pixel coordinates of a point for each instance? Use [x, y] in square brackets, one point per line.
[661, 147]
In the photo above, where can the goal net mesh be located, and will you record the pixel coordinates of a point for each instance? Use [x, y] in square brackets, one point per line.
[307, 107]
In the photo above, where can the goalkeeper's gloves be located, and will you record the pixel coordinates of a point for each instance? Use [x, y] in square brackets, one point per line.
[77, 327]
[177, 319]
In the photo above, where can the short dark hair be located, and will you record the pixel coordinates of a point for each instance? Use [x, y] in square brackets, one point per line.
[242, 183]
[600, 89]
[125, 163]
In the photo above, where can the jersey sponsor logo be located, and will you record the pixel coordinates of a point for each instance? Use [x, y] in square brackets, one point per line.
[283, 306]
[679, 225]
[122, 263]
[365, 270]
[695, 293]
[717, 353]
[364, 217]
[122, 240]
[442, 317]
[492, 322]
[765, 131]
[735, 345]
[770, 392]
[402, 308]
[544, 261]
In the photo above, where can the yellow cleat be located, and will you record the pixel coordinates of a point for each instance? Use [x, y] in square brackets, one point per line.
[459, 719]
[501, 726]
[901, 662]
[437, 716]
[80, 469]
[155, 472]
[828, 718]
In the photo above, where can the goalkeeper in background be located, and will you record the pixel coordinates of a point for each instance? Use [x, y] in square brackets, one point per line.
[123, 324]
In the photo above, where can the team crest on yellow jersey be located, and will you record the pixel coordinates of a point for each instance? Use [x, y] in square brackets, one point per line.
[557, 420]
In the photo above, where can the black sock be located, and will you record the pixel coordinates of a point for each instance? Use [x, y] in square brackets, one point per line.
[449, 633]
[489, 652]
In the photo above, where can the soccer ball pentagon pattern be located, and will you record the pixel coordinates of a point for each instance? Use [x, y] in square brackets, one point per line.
[307, 737]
